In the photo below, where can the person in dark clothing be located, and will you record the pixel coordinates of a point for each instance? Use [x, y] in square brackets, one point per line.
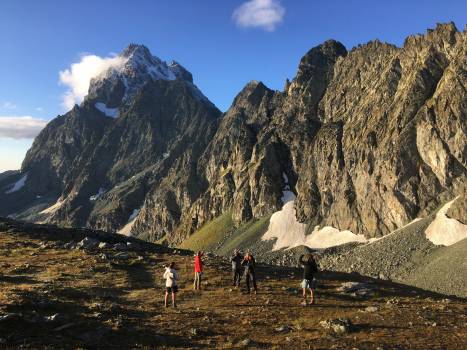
[236, 261]
[249, 264]
[309, 269]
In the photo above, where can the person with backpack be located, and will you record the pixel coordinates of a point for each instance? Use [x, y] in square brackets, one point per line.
[236, 261]
[309, 269]
[171, 277]
[198, 270]
[249, 264]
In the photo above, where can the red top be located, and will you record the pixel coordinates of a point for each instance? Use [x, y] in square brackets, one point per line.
[198, 264]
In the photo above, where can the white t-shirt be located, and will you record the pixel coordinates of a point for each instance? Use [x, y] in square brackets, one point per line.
[171, 277]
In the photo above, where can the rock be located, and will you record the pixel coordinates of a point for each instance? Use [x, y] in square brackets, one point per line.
[122, 256]
[104, 245]
[65, 326]
[10, 317]
[283, 328]
[371, 309]
[245, 342]
[120, 246]
[87, 243]
[54, 318]
[338, 326]
[69, 245]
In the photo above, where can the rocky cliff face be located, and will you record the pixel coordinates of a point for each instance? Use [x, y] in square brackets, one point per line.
[368, 140]
[365, 141]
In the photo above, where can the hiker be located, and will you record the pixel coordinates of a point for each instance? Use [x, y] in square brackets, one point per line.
[309, 269]
[249, 264]
[198, 270]
[171, 278]
[236, 261]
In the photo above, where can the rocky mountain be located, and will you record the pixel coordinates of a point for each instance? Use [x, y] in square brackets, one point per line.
[358, 144]
[93, 166]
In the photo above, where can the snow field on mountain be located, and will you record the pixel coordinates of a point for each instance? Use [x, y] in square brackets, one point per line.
[18, 184]
[444, 230]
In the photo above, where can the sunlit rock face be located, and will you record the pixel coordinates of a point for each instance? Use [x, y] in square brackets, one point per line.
[365, 141]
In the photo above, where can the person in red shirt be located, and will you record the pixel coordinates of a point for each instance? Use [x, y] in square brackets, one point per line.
[198, 270]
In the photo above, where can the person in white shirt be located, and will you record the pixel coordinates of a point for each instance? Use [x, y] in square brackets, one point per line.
[171, 287]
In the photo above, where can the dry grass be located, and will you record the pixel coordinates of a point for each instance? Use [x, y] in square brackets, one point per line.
[110, 303]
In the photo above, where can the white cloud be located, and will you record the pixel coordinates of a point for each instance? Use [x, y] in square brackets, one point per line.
[78, 76]
[24, 127]
[264, 14]
[8, 105]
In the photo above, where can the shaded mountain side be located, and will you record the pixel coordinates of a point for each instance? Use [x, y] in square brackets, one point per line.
[96, 165]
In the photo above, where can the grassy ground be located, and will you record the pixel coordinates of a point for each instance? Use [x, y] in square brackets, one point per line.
[244, 236]
[207, 237]
[113, 302]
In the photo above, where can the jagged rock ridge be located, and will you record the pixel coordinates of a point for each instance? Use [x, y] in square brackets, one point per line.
[368, 140]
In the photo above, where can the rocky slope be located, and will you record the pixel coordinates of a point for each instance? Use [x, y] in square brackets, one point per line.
[362, 142]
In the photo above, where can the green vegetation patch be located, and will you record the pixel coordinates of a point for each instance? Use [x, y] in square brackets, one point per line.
[245, 236]
[210, 234]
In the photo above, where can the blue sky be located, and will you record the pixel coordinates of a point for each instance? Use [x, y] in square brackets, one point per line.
[222, 50]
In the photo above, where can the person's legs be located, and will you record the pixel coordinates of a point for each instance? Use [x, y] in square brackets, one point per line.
[173, 299]
[199, 279]
[194, 281]
[304, 286]
[312, 296]
[247, 276]
[253, 277]
[237, 277]
[166, 298]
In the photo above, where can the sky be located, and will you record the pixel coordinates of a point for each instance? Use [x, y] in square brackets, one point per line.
[224, 44]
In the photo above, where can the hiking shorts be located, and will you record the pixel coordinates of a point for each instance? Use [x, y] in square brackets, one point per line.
[173, 289]
[308, 284]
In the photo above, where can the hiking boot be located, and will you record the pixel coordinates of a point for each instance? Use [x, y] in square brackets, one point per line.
[303, 303]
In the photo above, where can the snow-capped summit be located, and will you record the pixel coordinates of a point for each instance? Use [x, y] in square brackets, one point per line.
[134, 68]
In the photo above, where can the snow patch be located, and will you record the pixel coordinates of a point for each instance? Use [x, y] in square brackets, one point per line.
[330, 236]
[109, 112]
[289, 232]
[444, 230]
[98, 194]
[287, 194]
[285, 228]
[18, 184]
[126, 230]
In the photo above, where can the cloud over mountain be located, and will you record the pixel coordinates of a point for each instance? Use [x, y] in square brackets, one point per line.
[78, 76]
[265, 14]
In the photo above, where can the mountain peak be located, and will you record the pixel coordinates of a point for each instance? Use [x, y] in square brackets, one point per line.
[137, 66]
[135, 49]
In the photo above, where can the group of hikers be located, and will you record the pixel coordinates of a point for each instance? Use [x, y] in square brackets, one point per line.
[242, 265]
